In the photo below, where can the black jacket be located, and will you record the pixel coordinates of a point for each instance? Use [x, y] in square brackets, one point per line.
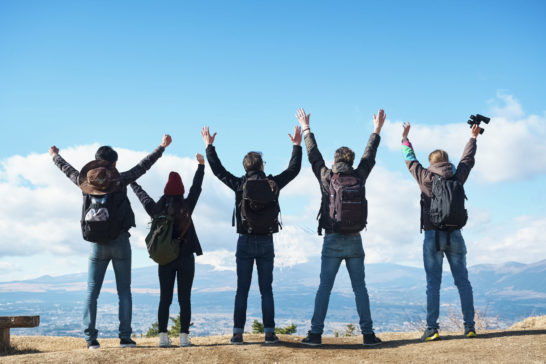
[128, 217]
[324, 174]
[236, 183]
[190, 242]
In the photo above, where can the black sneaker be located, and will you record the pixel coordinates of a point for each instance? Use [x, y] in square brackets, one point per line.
[271, 338]
[312, 339]
[93, 344]
[430, 334]
[470, 333]
[127, 343]
[371, 340]
[236, 339]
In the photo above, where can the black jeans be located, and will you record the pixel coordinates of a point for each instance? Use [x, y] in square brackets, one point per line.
[183, 268]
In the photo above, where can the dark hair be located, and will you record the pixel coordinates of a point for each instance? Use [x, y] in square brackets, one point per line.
[106, 153]
[253, 161]
[344, 154]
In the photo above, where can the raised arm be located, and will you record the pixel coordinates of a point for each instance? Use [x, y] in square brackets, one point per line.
[195, 189]
[294, 166]
[416, 169]
[63, 165]
[214, 162]
[367, 162]
[144, 165]
[149, 204]
[315, 157]
[467, 160]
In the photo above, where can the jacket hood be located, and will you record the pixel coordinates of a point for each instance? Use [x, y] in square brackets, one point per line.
[341, 167]
[255, 174]
[443, 169]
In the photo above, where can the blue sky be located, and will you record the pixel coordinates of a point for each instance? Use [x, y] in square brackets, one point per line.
[125, 72]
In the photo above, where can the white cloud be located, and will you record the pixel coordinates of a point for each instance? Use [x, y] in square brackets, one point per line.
[512, 147]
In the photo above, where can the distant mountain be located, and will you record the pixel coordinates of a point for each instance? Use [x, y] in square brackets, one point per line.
[508, 292]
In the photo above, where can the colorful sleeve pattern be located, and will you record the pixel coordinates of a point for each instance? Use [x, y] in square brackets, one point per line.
[407, 149]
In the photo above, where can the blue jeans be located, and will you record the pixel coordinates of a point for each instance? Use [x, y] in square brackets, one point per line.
[455, 253]
[338, 247]
[252, 248]
[119, 252]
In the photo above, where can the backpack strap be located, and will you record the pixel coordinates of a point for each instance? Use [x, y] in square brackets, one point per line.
[437, 239]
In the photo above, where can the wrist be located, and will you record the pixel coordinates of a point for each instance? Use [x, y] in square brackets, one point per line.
[377, 131]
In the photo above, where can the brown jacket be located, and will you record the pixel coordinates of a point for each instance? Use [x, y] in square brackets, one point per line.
[444, 169]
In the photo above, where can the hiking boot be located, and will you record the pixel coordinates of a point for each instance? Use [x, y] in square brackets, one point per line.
[371, 340]
[470, 333]
[93, 344]
[430, 335]
[184, 339]
[312, 339]
[271, 338]
[236, 339]
[164, 340]
[127, 343]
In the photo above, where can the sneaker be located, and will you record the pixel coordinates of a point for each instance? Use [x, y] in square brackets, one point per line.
[430, 335]
[185, 339]
[164, 340]
[470, 333]
[271, 338]
[127, 343]
[236, 339]
[312, 339]
[93, 344]
[371, 340]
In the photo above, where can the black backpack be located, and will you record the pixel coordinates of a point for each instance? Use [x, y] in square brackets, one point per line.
[260, 206]
[348, 204]
[447, 211]
[101, 217]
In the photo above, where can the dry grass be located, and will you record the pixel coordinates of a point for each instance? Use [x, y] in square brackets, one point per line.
[534, 322]
[512, 346]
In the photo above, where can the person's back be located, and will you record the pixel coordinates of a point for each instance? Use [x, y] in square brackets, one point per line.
[255, 241]
[182, 266]
[440, 241]
[342, 197]
[106, 219]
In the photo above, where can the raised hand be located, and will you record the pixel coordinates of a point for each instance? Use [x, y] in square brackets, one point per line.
[53, 151]
[297, 136]
[475, 131]
[406, 127]
[207, 138]
[379, 120]
[303, 119]
[166, 140]
[200, 158]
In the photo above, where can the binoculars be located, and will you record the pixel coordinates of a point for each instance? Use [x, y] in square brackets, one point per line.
[477, 119]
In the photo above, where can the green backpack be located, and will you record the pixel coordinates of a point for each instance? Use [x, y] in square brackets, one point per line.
[162, 248]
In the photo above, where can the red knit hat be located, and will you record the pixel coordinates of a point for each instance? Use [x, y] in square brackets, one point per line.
[174, 185]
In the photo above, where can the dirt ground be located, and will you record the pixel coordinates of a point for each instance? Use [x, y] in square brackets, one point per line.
[510, 346]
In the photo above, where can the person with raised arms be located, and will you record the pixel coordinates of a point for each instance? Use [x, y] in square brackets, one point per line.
[256, 214]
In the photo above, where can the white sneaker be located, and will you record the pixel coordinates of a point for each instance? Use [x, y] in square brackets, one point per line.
[164, 340]
[185, 339]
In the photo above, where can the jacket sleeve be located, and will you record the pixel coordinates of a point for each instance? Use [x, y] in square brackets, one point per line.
[416, 169]
[67, 169]
[315, 157]
[134, 173]
[149, 204]
[293, 169]
[219, 171]
[467, 161]
[367, 162]
[195, 189]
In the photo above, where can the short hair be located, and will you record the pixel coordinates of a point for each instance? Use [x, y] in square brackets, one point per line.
[253, 161]
[438, 156]
[106, 153]
[344, 154]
